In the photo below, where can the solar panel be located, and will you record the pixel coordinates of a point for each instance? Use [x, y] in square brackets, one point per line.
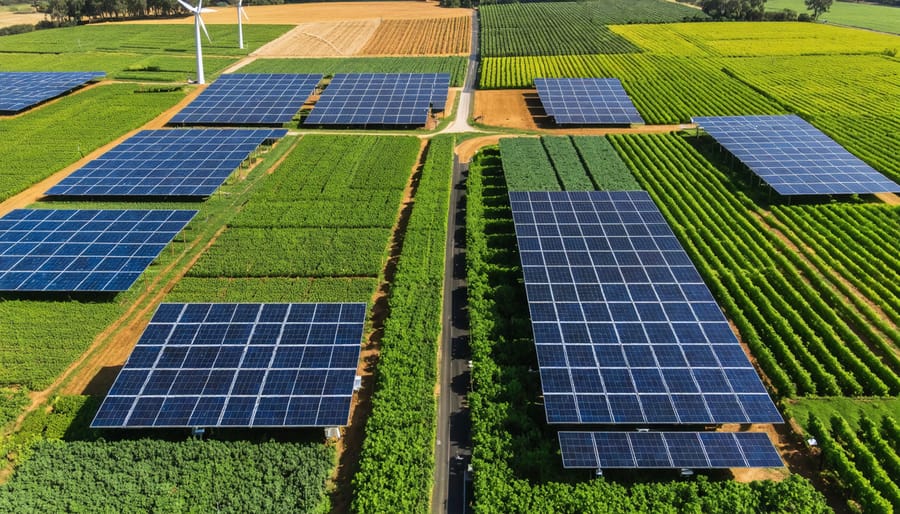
[793, 157]
[21, 90]
[402, 99]
[660, 450]
[239, 365]
[185, 162]
[249, 99]
[626, 332]
[82, 250]
[587, 102]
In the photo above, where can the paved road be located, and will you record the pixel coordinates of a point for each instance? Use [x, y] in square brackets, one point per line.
[453, 447]
[464, 109]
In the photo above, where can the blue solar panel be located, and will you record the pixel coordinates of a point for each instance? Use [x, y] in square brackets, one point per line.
[793, 157]
[661, 450]
[587, 102]
[21, 90]
[378, 99]
[188, 162]
[626, 331]
[82, 250]
[248, 365]
[249, 99]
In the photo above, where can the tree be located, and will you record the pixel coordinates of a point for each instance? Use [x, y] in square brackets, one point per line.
[751, 10]
[818, 7]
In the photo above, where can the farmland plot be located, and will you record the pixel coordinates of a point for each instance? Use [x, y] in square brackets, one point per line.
[435, 36]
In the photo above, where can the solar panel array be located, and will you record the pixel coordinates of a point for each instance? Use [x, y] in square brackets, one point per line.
[21, 90]
[249, 99]
[793, 157]
[82, 250]
[380, 99]
[626, 331]
[698, 450]
[185, 162]
[587, 101]
[239, 365]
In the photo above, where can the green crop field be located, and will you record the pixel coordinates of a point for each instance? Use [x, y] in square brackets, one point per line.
[57, 135]
[854, 14]
[454, 65]
[516, 454]
[140, 39]
[119, 66]
[562, 28]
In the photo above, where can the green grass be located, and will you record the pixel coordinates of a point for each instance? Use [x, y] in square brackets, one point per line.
[454, 65]
[867, 16]
[268, 290]
[851, 409]
[54, 136]
[143, 39]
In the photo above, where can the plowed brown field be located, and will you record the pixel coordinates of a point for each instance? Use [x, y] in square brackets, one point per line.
[321, 39]
[434, 36]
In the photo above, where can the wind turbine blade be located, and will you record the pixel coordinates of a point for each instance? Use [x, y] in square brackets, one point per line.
[203, 26]
[244, 13]
[187, 6]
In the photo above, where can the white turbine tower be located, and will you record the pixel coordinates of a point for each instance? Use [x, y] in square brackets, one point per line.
[241, 13]
[198, 24]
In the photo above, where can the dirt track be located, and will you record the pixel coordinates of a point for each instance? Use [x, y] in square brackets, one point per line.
[8, 19]
[295, 14]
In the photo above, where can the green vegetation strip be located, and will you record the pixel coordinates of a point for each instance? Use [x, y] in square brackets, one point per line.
[396, 466]
[516, 457]
[562, 28]
[57, 135]
[885, 18]
[161, 476]
[454, 65]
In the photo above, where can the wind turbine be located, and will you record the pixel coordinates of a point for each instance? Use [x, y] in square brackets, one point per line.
[198, 24]
[241, 13]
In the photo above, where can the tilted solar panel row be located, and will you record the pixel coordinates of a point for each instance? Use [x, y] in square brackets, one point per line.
[21, 90]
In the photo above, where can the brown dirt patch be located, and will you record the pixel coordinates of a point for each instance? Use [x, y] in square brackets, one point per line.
[468, 148]
[322, 39]
[295, 14]
[8, 19]
[521, 109]
[889, 198]
[433, 36]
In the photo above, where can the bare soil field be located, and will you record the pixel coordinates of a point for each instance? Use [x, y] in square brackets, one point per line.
[506, 108]
[8, 19]
[295, 14]
[322, 39]
[432, 36]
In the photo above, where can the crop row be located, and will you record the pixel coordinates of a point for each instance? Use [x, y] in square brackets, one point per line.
[804, 343]
[664, 89]
[59, 134]
[865, 463]
[397, 462]
[551, 163]
[454, 65]
[562, 28]
[515, 453]
[429, 36]
[754, 39]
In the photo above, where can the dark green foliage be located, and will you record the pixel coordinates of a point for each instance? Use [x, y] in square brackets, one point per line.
[515, 456]
[161, 476]
[752, 10]
[454, 65]
[604, 165]
[526, 165]
[397, 462]
[567, 163]
[563, 28]
[818, 7]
